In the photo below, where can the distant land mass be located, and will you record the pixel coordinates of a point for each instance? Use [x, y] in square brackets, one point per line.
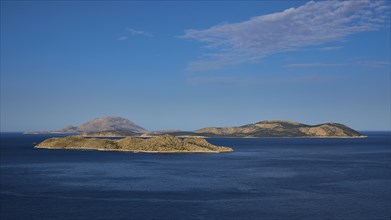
[104, 124]
[280, 128]
[273, 128]
[160, 144]
[116, 133]
[121, 127]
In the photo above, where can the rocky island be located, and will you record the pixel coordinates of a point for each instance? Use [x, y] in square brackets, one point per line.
[281, 128]
[273, 128]
[159, 144]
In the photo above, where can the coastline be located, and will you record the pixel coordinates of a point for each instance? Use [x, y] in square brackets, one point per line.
[134, 151]
[190, 136]
[159, 144]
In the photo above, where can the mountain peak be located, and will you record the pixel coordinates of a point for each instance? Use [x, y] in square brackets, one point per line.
[279, 122]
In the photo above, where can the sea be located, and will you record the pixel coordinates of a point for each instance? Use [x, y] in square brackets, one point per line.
[265, 178]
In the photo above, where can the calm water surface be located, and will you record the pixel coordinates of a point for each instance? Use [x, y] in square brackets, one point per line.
[270, 178]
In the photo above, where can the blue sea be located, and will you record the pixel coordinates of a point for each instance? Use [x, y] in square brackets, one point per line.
[265, 178]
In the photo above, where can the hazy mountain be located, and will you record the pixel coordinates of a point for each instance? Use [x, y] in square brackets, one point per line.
[68, 129]
[110, 124]
[116, 133]
[104, 124]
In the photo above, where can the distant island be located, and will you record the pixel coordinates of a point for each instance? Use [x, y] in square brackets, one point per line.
[109, 123]
[160, 144]
[121, 127]
[279, 128]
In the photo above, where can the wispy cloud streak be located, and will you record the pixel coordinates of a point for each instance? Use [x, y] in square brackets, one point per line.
[133, 32]
[375, 64]
[314, 65]
[313, 23]
[329, 48]
[221, 81]
[136, 32]
[245, 82]
[364, 63]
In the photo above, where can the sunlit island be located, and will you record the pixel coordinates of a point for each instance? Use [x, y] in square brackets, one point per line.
[159, 144]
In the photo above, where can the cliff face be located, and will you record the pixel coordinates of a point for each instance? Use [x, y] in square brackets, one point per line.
[281, 129]
[159, 144]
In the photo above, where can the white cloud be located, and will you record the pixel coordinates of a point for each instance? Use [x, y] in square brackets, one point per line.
[313, 23]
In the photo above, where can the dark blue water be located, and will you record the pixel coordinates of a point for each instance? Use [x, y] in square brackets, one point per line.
[263, 179]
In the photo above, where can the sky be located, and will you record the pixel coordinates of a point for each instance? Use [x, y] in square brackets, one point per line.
[193, 64]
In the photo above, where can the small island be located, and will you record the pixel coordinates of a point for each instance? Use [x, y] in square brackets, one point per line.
[159, 144]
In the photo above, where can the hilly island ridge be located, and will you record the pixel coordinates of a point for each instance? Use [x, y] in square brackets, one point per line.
[121, 127]
[160, 144]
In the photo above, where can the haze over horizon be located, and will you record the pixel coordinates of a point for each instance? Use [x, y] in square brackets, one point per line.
[189, 65]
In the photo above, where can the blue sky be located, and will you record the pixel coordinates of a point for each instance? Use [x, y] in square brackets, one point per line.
[188, 65]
